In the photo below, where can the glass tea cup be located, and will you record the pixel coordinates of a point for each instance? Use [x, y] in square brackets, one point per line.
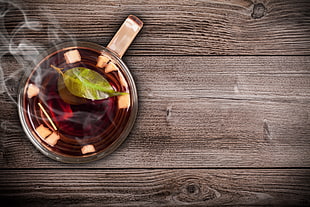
[68, 118]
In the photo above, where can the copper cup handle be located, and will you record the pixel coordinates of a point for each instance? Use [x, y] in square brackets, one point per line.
[125, 35]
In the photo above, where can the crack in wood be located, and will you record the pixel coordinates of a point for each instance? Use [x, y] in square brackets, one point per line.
[267, 133]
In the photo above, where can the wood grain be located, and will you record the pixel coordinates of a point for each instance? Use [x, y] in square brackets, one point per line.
[212, 27]
[195, 187]
[218, 124]
[197, 112]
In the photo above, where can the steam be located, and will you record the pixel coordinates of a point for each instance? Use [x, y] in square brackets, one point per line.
[17, 52]
[24, 51]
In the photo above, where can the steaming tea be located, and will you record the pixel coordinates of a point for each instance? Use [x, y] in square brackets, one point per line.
[79, 102]
[71, 125]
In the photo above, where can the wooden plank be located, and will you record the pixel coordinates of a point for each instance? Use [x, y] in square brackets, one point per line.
[197, 112]
[278, 79]
[202, 187]
[171, 27]
[173, 133]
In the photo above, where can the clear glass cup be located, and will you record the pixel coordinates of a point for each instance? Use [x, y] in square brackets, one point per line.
[69, 128]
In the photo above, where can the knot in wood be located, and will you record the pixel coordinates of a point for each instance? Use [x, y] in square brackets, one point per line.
[259, 10]
[192, 190]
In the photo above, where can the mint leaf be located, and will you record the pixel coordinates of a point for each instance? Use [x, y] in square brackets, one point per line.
[86, 83]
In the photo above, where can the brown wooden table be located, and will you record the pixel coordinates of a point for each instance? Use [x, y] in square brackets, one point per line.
[224, 114]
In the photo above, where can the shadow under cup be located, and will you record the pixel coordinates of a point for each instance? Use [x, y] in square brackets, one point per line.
[72, 129]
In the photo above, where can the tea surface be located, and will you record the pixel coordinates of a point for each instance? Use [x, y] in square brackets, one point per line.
[70, 125]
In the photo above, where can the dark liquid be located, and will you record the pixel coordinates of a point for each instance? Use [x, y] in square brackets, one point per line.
[98, 123]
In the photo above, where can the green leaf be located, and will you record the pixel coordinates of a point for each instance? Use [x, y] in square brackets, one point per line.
[86, 83]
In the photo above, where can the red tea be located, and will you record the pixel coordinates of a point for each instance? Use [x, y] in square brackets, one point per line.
[77, 126]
